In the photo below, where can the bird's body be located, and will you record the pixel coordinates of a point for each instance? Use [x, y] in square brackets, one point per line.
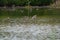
[34, 17]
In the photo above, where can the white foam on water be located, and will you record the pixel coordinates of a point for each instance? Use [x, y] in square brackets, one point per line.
[30, 32]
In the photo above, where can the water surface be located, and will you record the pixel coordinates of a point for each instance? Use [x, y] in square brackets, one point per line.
[26, 28]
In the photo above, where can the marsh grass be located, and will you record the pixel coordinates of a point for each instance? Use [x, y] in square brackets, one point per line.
[32, 11]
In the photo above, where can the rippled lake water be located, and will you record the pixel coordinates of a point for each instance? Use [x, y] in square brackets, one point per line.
[26, 28]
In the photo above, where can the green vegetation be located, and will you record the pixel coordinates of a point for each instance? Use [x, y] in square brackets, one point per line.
[11, 13]
[25, 12]
[41, 2]
[17, 2]
[3, 2]
[25, 2]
